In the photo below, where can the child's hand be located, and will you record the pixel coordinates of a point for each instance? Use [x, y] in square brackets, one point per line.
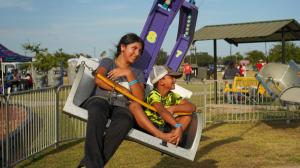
[168, 137]
[177, 133]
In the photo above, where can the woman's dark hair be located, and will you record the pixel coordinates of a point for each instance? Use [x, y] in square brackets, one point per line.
[128, 39]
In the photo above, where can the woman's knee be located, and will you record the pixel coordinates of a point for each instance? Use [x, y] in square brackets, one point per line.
[98, 107]
[124, 118]
[128, 120]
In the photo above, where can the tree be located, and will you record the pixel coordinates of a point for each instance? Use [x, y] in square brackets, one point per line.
[292, 52]
[35, 48]
[83, 55]
[202, 59]
[42, 59]
[237, 57]
[255, 55]
[61, 57]
[162, 57]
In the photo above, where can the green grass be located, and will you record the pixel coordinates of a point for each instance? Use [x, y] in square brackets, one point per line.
[261, 144]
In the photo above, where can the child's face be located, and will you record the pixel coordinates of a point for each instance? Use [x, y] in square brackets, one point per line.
[169, 82]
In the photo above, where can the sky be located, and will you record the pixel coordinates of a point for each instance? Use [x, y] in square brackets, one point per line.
[93, 26]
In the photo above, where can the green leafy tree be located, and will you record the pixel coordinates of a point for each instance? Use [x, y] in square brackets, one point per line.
[202, 59]
[162, 57]
[254, 56]
[61, 57]
[77, 55]
[43, 60]
[34, 47]
[292, 52]
[236, 58]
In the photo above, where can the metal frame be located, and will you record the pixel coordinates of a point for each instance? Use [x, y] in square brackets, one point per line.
[82, 88]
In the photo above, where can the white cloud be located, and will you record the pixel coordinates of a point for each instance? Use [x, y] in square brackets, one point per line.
[26, 5]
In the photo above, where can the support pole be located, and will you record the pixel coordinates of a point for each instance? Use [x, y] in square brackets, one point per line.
[2, 76]
[215, 71]
[283, 46]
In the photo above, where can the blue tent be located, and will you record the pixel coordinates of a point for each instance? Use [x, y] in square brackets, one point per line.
[7, 55]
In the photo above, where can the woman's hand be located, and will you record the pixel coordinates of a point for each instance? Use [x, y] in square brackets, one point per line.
[119, 72]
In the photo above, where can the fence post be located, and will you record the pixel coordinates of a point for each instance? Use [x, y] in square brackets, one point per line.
[7, 132]
[3, 127]
[57, 125]
[205, 112]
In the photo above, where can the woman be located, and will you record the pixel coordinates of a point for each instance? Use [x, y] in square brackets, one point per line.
[101, 140]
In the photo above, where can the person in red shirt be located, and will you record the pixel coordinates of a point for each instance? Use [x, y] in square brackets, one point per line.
[187, 70]
[242, 70]
[259, 65]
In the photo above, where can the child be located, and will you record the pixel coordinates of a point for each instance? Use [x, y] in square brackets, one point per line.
[166, 103]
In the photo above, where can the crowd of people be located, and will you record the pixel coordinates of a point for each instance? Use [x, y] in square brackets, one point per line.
[14, 81]
[240, 69]
[231, 72]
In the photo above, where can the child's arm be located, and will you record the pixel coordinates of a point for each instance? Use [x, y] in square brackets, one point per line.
[183, 106]
[168, 118]
[143, 121]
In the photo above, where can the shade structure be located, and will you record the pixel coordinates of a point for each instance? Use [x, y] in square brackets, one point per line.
[7, 55]
[251, 32]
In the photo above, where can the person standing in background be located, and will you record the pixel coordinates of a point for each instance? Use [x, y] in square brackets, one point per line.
[259, 65]
[242, 70]
[187, 70]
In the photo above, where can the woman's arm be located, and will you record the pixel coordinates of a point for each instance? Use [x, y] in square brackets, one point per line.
[100, 83]
[137, 89]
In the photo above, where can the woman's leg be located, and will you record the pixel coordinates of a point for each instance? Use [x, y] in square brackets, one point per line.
[121, 123]
[98, 113]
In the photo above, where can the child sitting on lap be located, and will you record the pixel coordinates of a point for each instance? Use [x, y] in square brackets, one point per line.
[166, 103]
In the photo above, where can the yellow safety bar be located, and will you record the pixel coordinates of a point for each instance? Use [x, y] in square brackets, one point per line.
[125, 92]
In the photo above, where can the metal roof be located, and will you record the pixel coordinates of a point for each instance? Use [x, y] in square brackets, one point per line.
[265, 31]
